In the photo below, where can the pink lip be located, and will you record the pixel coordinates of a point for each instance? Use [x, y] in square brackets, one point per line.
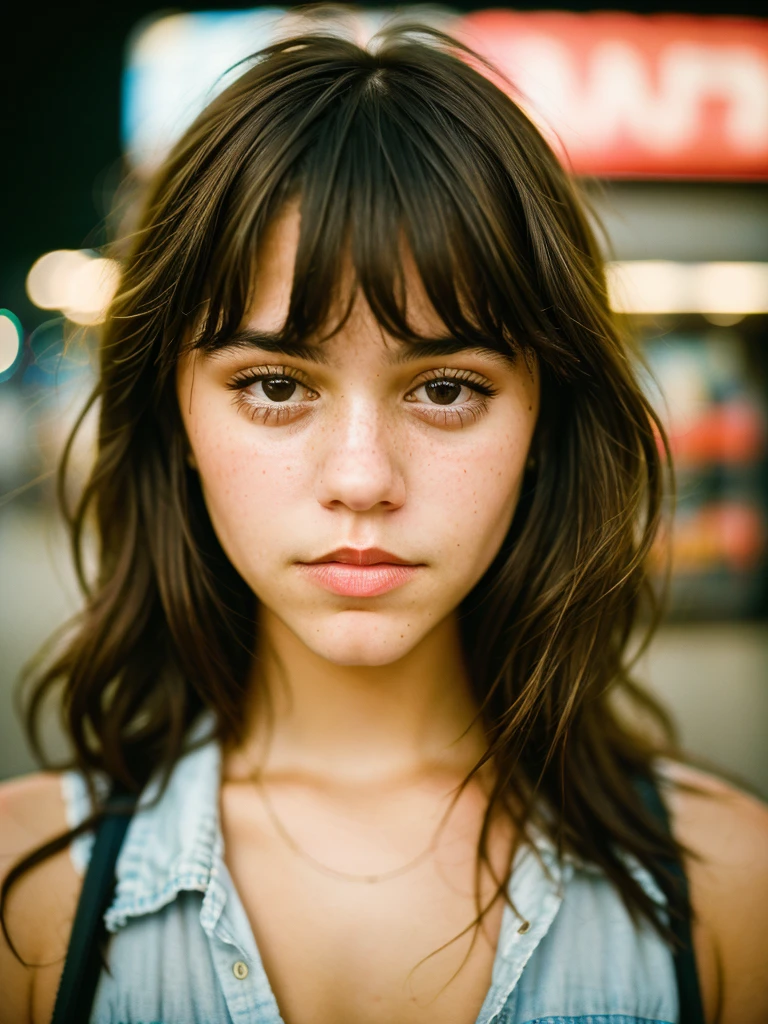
[353, 572]
[358, 580]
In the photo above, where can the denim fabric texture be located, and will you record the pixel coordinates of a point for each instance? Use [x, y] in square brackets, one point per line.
[179, 927]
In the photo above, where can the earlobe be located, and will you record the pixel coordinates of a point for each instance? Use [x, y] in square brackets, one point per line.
[191, 460]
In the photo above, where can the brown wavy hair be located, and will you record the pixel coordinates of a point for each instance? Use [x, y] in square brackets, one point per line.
[408, 139]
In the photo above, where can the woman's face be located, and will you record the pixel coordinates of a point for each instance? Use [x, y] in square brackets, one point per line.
[360, 443]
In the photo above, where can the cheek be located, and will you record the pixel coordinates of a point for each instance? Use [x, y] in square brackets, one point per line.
[471, 490]
[250, 486]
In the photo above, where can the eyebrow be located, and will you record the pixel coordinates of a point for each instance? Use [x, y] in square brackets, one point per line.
[407, 351]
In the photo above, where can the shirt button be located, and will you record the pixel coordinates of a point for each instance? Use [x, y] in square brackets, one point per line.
[240, 970]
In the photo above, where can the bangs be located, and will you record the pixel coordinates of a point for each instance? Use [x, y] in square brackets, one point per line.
[388, 168]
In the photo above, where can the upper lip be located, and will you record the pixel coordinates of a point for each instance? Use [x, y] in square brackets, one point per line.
[361, 556]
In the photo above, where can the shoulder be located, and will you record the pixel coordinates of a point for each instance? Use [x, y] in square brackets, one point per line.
[41, 905]
[726, 833]
[30, 806]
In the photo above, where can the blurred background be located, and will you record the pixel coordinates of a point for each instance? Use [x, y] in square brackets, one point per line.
[662, 116]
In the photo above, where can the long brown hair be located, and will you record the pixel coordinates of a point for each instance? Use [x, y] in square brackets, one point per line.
[407, 140]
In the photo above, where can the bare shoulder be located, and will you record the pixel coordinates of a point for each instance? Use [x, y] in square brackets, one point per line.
[41, 904]
[726, 831]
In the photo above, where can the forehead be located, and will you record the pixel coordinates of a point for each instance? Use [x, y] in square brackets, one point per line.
[264, 320]
[275, 269]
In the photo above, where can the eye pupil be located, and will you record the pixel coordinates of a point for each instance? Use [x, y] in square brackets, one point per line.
[279, 389]
[443, 392]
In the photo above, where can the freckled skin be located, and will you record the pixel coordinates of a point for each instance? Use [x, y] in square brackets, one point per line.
[358, 465]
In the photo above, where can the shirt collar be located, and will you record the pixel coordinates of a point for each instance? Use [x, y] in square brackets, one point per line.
[173, 843]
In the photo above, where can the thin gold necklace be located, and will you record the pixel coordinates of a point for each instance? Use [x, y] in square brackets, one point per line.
[383, 876]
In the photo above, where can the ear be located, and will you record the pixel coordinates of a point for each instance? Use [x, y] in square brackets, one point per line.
[191, 462]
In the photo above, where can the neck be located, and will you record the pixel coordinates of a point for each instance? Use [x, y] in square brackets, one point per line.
[360, 724]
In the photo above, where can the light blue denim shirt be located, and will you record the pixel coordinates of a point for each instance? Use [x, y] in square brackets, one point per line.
[183, 950]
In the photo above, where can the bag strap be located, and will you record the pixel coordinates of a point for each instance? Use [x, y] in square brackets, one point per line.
[688, 989]
[83, 964]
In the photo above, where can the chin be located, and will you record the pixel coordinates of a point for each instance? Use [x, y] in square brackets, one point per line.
[357, 643]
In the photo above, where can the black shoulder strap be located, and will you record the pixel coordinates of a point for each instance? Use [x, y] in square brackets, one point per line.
[83, 964]
[691, 1007]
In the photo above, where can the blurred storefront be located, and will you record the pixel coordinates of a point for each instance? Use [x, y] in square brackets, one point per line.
[664, 119]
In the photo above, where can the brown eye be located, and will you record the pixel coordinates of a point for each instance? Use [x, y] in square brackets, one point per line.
[271, 395]
[443, 392]
[279, 389]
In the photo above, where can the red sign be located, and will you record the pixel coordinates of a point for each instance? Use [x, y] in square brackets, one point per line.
[637, 96]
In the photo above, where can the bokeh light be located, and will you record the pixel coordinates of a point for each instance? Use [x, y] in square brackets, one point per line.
[730, 290]
[11, 335]
[77, 282]
[48, 280]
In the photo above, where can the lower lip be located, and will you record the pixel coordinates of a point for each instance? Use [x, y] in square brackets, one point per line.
[359, 580]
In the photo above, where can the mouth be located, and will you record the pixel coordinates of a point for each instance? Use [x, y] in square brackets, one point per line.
[353, 572]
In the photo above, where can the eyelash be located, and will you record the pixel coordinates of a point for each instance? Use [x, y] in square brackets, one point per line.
[276, 413]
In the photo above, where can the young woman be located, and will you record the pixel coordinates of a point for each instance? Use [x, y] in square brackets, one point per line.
[374, 491]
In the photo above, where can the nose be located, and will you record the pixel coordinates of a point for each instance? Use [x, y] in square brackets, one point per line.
[360, 466]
